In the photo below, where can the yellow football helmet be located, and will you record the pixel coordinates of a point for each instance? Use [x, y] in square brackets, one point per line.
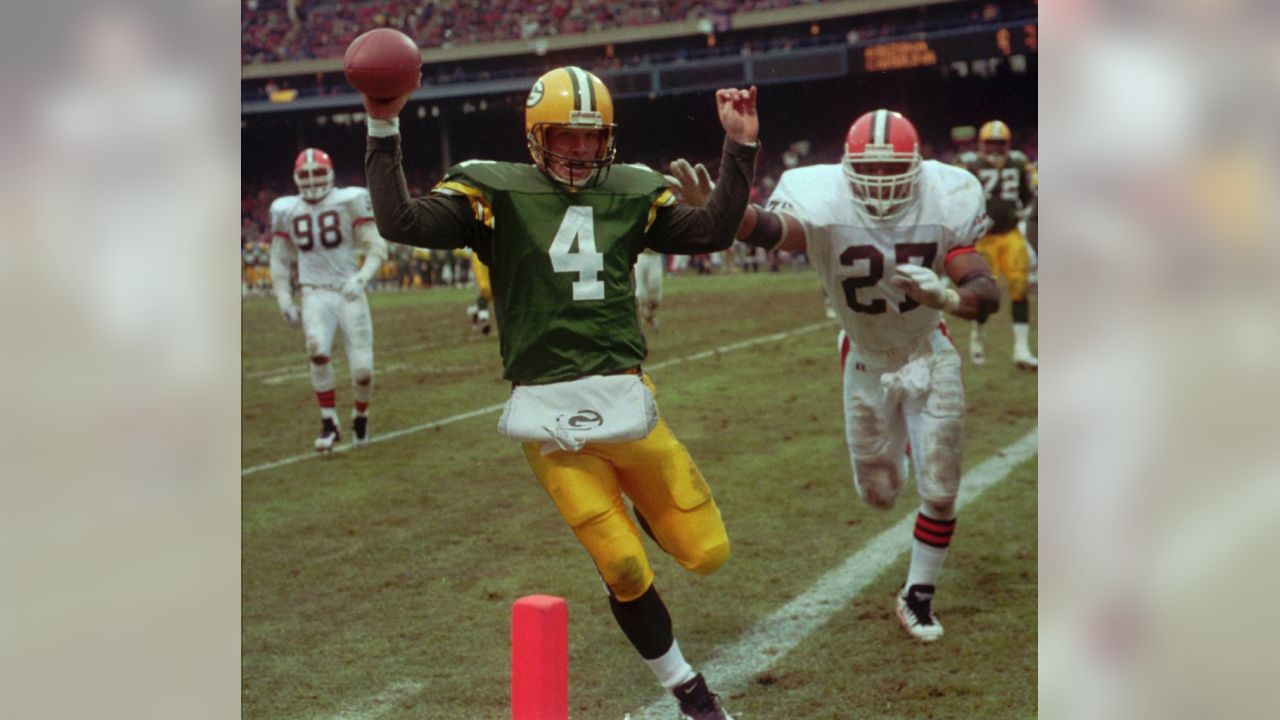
[574, 98]
[994, 140]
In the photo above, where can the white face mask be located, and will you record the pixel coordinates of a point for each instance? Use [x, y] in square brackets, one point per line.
[884, 196]
[314, 181]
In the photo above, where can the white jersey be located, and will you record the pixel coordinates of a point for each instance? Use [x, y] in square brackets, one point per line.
[856, 255]
[323, 233]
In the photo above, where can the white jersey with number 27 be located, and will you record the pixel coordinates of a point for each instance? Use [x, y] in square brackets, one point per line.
[856, 254]
[323, 233]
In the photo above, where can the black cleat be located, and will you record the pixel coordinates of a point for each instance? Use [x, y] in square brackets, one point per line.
[697, 702]
[360, 428]
[328, 436]
[915, 612]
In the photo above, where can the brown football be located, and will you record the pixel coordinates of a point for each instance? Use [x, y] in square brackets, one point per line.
[383, 64]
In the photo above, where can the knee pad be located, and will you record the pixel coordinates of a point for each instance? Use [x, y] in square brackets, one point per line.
[939, 510]
[626, 577]
[362, 375]
[317, 358]
[937, 501]
[878, 483]
[710, 558]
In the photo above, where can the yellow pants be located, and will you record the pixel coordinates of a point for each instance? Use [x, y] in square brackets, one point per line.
[1006, 253]
[481, 273]
[664, 484]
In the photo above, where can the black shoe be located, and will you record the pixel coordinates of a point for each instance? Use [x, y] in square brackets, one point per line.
[360, 428]
[697, 702]
[915, 612]
[328, 436]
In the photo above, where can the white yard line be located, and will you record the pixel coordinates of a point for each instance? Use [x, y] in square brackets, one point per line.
[293, 369]
[384, 437]
[377, 705]
[282, 378]
[731, 668]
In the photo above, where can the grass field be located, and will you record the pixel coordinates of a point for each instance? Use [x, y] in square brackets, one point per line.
[378, 583]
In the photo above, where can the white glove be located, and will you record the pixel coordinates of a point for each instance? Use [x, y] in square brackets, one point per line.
[291, 314]
[692, 182]
[925, 287]
[353, 288]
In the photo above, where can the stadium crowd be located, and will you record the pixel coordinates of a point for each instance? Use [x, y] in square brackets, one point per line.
[276, 30]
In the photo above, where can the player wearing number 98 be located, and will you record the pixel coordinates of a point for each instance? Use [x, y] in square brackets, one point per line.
[881, 227]
[320, 230]
[560, 237]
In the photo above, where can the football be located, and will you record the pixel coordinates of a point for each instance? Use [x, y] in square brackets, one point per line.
[383, 64]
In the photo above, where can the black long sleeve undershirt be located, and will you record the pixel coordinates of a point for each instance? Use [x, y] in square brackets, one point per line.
[685, 230]
[445, 222]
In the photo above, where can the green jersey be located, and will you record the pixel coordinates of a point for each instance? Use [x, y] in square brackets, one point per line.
[1008, 187]
[560, 264]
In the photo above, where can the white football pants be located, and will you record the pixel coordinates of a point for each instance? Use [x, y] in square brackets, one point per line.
[326, 311]
[921, 400]
[649, 279]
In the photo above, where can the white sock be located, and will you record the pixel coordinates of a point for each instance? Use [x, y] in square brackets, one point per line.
[329, 414]
[926, 564]
[671, 668]
[975, 333]
[930, 542]
[1021, 334]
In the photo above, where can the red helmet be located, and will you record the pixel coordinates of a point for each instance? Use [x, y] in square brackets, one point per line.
[313, 174]
[882, 162]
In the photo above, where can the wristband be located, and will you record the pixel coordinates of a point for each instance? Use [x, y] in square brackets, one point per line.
[383, 128]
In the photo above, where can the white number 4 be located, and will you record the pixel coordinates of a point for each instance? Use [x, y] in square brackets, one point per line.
[579, 225]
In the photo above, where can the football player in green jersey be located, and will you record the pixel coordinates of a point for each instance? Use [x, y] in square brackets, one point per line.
[1005, 175]
[560, 237]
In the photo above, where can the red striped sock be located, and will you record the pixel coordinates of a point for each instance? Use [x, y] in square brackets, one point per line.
[936, 533]
[361, 407]
[327, 398]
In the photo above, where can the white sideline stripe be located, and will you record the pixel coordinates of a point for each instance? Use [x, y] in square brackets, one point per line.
[377, 705]
[292, 369]
[281, 378]
[384, 437]
[730, 669]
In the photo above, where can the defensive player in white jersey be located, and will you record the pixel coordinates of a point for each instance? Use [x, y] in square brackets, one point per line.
[649, 287]
[881, 227]
[321, 229]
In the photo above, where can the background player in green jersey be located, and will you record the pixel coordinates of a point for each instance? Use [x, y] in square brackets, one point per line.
[560, 237]
[1005, 177]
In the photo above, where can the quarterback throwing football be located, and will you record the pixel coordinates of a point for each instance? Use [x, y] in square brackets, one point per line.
[560, 237]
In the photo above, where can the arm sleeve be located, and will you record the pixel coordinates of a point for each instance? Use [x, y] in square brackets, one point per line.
[283, 257]
[1025, 193]
[684, 230]
[441, 222]
[375, 250]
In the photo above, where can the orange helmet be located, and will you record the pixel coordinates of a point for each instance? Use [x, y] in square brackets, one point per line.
[313, 174]
[882, 163]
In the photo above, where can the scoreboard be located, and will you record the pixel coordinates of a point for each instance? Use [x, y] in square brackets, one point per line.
[960, 53]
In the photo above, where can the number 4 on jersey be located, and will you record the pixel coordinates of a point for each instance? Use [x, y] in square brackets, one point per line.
[579, 225]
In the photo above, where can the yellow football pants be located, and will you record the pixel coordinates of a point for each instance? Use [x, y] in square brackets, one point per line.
[481, 272]
[660, 477]
[1006, 253]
